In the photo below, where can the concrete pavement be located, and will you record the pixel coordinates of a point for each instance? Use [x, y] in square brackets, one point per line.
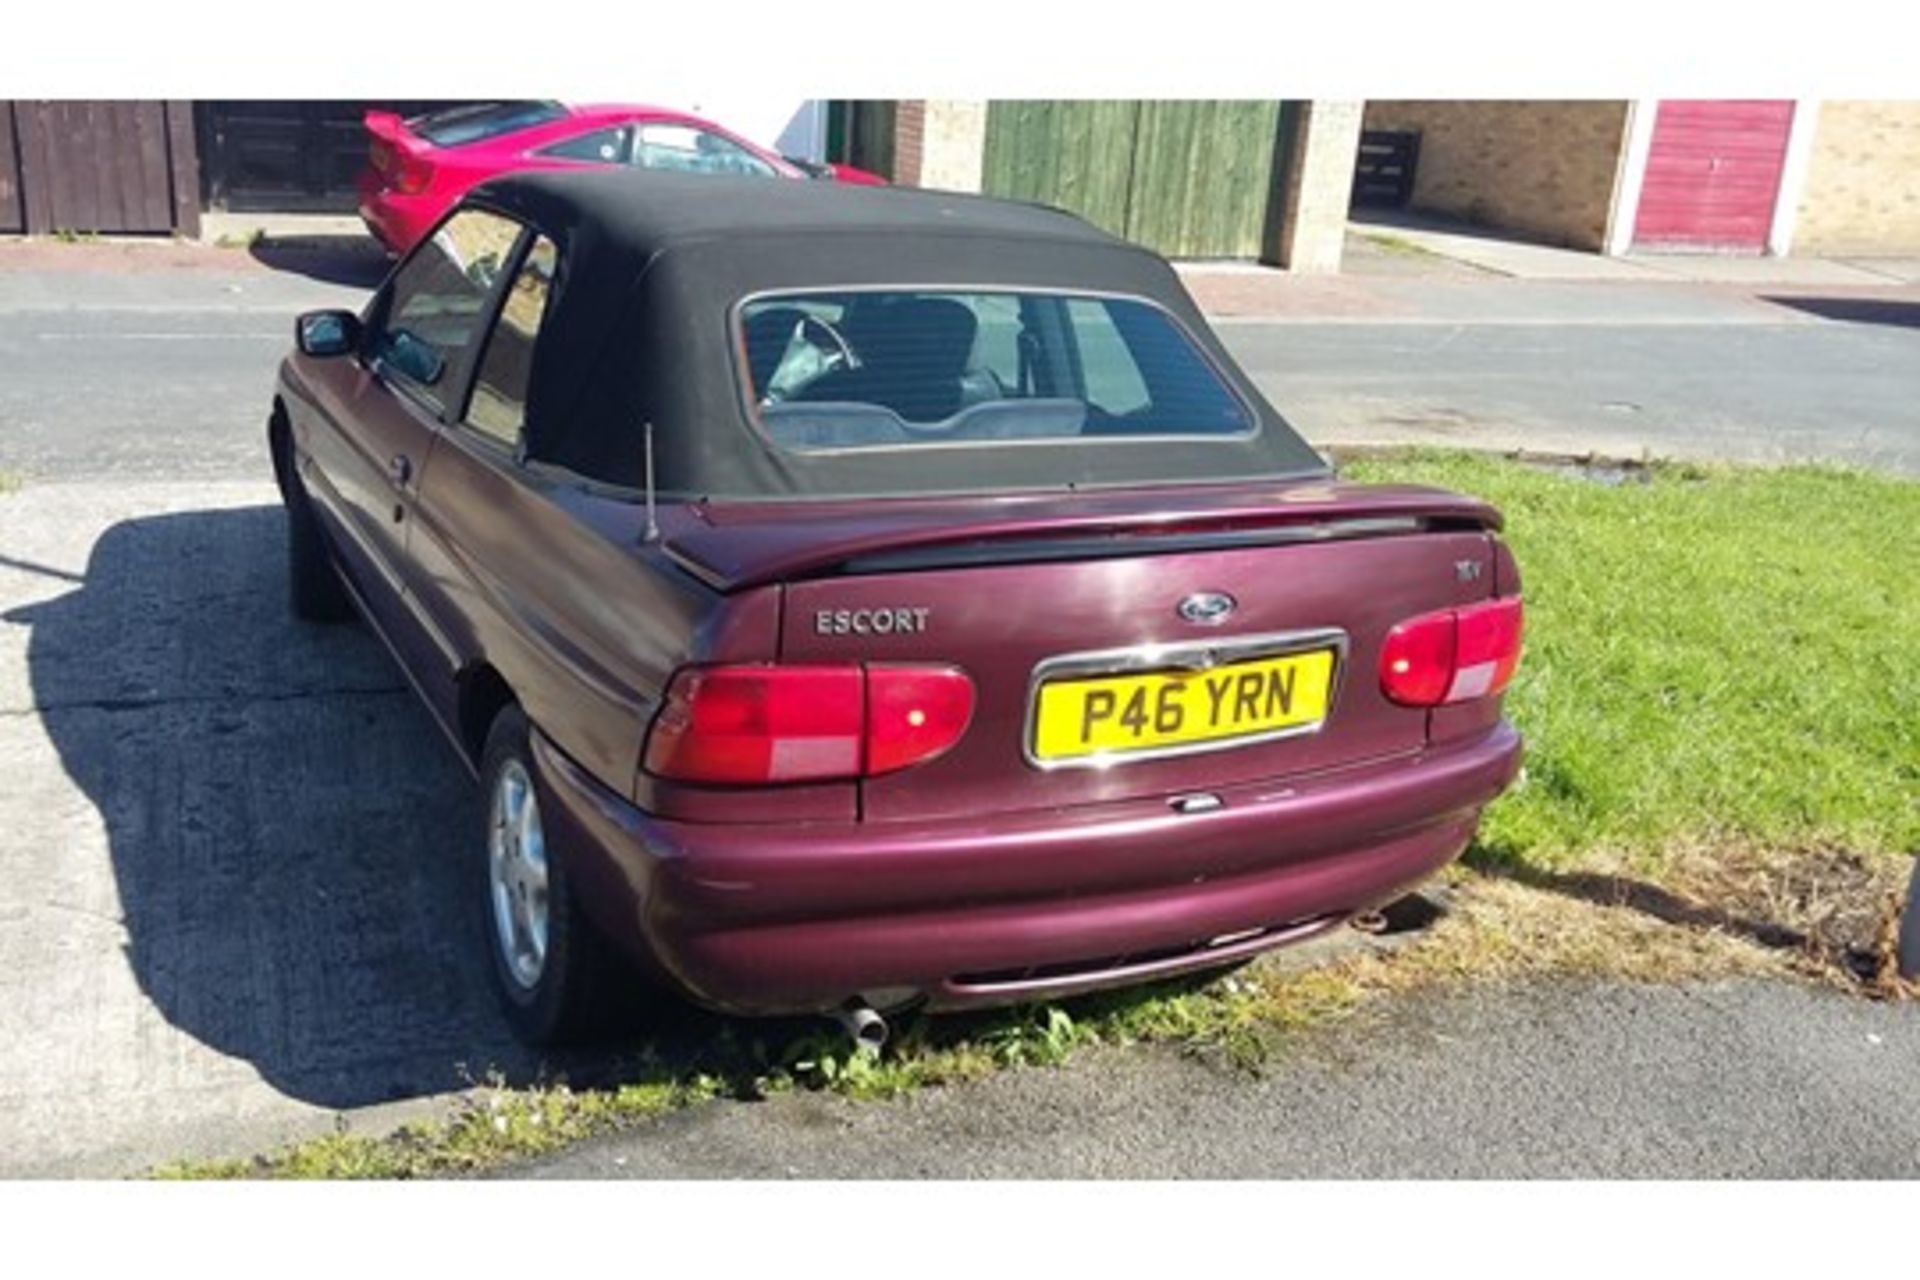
[233, 900]
[1444, 241]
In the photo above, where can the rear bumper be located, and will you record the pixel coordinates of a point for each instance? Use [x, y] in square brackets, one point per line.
[396, 221]
[760, 919]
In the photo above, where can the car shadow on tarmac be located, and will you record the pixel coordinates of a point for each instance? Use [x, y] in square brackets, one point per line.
[286, 825]
[355, 261]
[1898, 313]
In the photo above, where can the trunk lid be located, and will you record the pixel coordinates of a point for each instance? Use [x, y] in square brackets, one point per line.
[1023, 591]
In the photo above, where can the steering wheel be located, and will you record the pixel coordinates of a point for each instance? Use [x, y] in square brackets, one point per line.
[842, 355]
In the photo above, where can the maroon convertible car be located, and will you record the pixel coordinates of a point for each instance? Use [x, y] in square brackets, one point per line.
[854, 599]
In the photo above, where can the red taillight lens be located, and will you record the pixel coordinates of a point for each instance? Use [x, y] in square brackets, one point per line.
[413, 176]
[914, 714]
[805, 723]
[1487, 650]
[1416, 662]
[1454, 655]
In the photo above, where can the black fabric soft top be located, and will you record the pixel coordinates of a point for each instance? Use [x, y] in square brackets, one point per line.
[641, 329]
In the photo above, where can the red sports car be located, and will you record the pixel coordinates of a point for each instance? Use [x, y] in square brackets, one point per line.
[417, 168]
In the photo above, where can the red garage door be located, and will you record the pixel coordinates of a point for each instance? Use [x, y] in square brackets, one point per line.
[1712, 175]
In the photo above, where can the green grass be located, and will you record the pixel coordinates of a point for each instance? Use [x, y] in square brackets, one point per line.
[1717, 660]
[1714, 656]
[8, 482]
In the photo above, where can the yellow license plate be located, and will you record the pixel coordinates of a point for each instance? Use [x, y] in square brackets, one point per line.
[1110, 716]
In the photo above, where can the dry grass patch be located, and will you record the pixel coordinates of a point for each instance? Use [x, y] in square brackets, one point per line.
[1824, 915]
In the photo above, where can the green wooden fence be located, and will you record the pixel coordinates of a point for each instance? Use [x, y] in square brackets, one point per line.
[1189, 179]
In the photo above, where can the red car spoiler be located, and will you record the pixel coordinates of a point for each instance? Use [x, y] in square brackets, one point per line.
[390, 128]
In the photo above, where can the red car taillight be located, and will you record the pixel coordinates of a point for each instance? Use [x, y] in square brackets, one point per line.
[1454, 655]
[761, 724]
[412, 177]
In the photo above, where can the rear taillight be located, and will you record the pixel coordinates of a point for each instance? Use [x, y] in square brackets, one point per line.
[764, 724]
[413, 175]
[914, 714]
[1454, 655]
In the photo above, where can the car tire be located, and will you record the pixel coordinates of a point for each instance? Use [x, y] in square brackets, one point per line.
[554, 991]
[1909, 950]
[314, 588]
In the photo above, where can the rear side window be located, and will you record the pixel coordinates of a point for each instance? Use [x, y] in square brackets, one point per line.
[498, 407]
[886, 368]
[480, 121]
[602, 146]
[434, 305]
[686, 149]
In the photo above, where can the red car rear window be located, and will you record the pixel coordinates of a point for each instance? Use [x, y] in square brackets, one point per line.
[477, 122]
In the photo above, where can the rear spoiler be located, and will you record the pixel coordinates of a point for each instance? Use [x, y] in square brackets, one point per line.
[742, 545]
[389, 127]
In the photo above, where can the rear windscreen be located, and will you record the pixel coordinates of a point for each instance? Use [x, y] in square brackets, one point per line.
[477, 122]
[889, 367]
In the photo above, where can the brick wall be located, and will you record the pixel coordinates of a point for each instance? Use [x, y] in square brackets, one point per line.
[1863, 181]
[909, 137]
[1544, 169]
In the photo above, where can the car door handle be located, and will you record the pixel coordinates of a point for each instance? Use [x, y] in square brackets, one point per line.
[401, 469]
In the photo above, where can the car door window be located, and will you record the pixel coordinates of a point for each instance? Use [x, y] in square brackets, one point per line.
[498, 407]
[684, 148]
[602, 146]
[436, 301]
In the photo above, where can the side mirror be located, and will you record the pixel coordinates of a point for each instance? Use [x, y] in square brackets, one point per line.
[413, 356]
[327, 333]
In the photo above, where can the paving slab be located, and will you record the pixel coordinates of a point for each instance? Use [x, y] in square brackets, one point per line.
[1797, 272]
[1906, 270]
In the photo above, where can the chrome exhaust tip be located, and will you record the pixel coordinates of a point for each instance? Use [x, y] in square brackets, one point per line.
[863, 1025]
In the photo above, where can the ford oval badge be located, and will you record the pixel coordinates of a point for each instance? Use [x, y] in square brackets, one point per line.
[1207, 608]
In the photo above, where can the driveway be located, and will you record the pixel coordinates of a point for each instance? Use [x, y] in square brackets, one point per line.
[231, 845]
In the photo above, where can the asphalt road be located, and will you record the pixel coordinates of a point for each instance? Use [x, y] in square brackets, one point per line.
[1748, 392]
[167, 375]
[163, 375]
[1736, 1080]
[230, 846]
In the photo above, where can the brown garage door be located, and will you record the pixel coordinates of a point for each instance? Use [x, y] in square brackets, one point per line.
[1713, 172]
[115, 167]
